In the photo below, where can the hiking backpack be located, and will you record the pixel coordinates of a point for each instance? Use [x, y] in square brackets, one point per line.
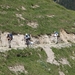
[10, 36]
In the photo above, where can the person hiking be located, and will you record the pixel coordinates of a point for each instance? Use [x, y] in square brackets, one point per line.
[55, 37]
[0, 39]
[27, 39]
[0, 36]
[9, 37]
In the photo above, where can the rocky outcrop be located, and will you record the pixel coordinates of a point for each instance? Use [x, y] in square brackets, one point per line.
[67, 37]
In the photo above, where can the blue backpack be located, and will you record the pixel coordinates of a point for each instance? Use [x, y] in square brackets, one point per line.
[10, 36]
[57, 33]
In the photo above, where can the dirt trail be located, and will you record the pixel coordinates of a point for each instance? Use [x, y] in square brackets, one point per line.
[43, 41]
[50, 54]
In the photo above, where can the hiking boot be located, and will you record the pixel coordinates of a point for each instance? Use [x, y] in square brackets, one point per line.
[9, 46]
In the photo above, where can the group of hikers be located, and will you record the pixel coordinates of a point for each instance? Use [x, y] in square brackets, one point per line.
[27, 38]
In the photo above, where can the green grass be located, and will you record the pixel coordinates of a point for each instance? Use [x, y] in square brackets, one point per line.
[66, 53]
[33, 63]
[63, 18]
[36, 65]
[27, 57]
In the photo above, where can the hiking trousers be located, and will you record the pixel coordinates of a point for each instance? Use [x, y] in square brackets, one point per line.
[56, 39]
[9, 43]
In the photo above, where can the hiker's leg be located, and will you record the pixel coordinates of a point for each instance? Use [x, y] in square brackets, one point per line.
[56, 41]
[28, 43]
[0, 41]
[9, 42]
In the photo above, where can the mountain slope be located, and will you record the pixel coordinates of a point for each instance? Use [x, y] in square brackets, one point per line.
[35, 17]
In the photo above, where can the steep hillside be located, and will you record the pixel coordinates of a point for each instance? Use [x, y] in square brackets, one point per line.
[36, 17]
[40, 18]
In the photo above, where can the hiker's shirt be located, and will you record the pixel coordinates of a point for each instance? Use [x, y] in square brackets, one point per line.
[27, 37]
[55, 35]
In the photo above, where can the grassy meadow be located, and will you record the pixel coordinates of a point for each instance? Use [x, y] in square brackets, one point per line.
[68, 54]
[48, 15]
[34, 61]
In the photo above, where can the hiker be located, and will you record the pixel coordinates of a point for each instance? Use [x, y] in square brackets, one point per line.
[55, 37]
[27, 39]
[0, 39]
[9, 37]
[0, 36]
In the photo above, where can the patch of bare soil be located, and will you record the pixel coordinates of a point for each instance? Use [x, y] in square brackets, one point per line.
[20, 16]
[50, 55]
[61, 73]
[32, 24]
[67, 37]
[51, 16]
[23, 8]
[18, 68]
[35, 6]
[64, 61]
